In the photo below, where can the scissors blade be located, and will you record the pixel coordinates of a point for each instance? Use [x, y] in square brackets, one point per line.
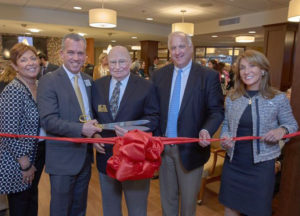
[125, 124]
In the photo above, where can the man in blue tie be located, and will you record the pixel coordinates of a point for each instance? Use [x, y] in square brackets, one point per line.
[191, 105]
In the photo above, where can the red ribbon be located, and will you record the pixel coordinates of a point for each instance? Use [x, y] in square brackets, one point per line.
[137, 154]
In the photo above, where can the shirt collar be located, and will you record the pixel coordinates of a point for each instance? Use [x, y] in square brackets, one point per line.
[123, 82]
[186, 68]
[70, 74]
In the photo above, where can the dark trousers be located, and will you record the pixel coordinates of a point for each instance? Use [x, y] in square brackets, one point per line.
[25, 203]
[69, 193]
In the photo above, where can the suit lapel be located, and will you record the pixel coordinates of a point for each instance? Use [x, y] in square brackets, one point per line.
[128, 93]
[189, 88]
[105, 88]
[167, 93]
[67, 85]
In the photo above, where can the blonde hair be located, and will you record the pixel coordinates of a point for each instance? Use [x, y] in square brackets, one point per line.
[258, 59]
[101, 57]
[8, 74]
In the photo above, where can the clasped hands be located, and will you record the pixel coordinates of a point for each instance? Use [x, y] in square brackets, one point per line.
[273, 136]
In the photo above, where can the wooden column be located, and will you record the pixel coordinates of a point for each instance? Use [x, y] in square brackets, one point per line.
[279, 48]
[90, 50]
[148, 52]
[289, 195]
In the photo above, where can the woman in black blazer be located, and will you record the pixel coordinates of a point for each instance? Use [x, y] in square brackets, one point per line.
[19, 115]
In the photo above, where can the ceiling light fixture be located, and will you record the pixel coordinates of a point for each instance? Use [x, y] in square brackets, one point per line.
[149, 18]
[251, 32]
[187, 28]
[102, 18]
[34, 30]
[245, 39]
[214, 36]
[82, 34]
[294, 11]
[113, 41]
[77, 8]
[134, 37]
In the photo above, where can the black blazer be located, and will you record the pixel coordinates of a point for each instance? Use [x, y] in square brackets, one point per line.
[138, 102]
[201, 108]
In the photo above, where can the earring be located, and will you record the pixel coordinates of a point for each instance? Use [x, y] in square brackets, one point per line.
[263, 73]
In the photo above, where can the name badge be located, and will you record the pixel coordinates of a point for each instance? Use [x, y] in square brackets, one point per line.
[102, 108]
[87, 83]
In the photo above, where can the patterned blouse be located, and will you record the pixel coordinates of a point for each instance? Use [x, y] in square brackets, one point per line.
[18, 115]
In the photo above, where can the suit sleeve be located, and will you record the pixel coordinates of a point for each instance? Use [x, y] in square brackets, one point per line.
[50, 107]
[214, 103]
[151, 109]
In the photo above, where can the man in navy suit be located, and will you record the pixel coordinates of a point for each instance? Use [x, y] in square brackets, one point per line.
[122, 96]
[46, 66]
[63, 96]
[191, 105]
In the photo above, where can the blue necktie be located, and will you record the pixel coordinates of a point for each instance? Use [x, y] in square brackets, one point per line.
[174, 107]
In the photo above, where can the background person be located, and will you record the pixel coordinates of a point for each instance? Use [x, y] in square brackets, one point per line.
[8, 74]
[101, 69]
[122, 97]
[46, 66]
[253, 108]
[19, 115]
[191, 105]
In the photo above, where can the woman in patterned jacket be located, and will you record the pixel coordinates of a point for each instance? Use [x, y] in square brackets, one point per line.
[253, 108]
[19, 115]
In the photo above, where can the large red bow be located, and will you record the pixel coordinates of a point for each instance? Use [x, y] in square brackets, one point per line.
[135, 156]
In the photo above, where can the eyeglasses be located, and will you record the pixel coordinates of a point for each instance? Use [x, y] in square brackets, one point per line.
[121, 62]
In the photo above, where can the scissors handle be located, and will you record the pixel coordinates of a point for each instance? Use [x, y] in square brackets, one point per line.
[85, 118]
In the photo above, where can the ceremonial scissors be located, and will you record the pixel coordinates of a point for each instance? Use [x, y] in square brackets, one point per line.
[128, 125]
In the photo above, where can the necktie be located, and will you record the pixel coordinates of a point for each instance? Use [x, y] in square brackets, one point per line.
[174, 107]
[78, 94]
[114, 100]
[43, 70]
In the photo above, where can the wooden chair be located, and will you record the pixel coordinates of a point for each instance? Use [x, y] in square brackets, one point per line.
[213, 168]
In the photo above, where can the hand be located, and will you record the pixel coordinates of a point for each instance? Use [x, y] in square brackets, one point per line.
[99, 146]
[89, 128]
[277, 166]
[28, 176]
[120, 131]
[227, 143]
[203, 134]
[273, 136]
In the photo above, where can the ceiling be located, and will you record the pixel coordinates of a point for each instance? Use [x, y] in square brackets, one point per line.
[133, 13]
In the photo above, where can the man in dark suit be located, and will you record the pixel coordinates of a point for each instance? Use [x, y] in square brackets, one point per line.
[45, 65]
[63, 96]
[191, 105]
[122, 96]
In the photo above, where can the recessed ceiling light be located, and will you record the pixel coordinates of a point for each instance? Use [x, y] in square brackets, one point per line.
[134, 37]
[34, 30]
[77, 8]
[214, 36]
[28, 33]
[113, 41]
[251, 32]
[81, 34]
[149, 18]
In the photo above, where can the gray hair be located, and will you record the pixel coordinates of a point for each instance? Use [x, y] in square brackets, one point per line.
[179, 34]
[135, 66]
[72, 36]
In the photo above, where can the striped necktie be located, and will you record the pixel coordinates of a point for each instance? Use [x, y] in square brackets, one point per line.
[114, 100]
[174, 107]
